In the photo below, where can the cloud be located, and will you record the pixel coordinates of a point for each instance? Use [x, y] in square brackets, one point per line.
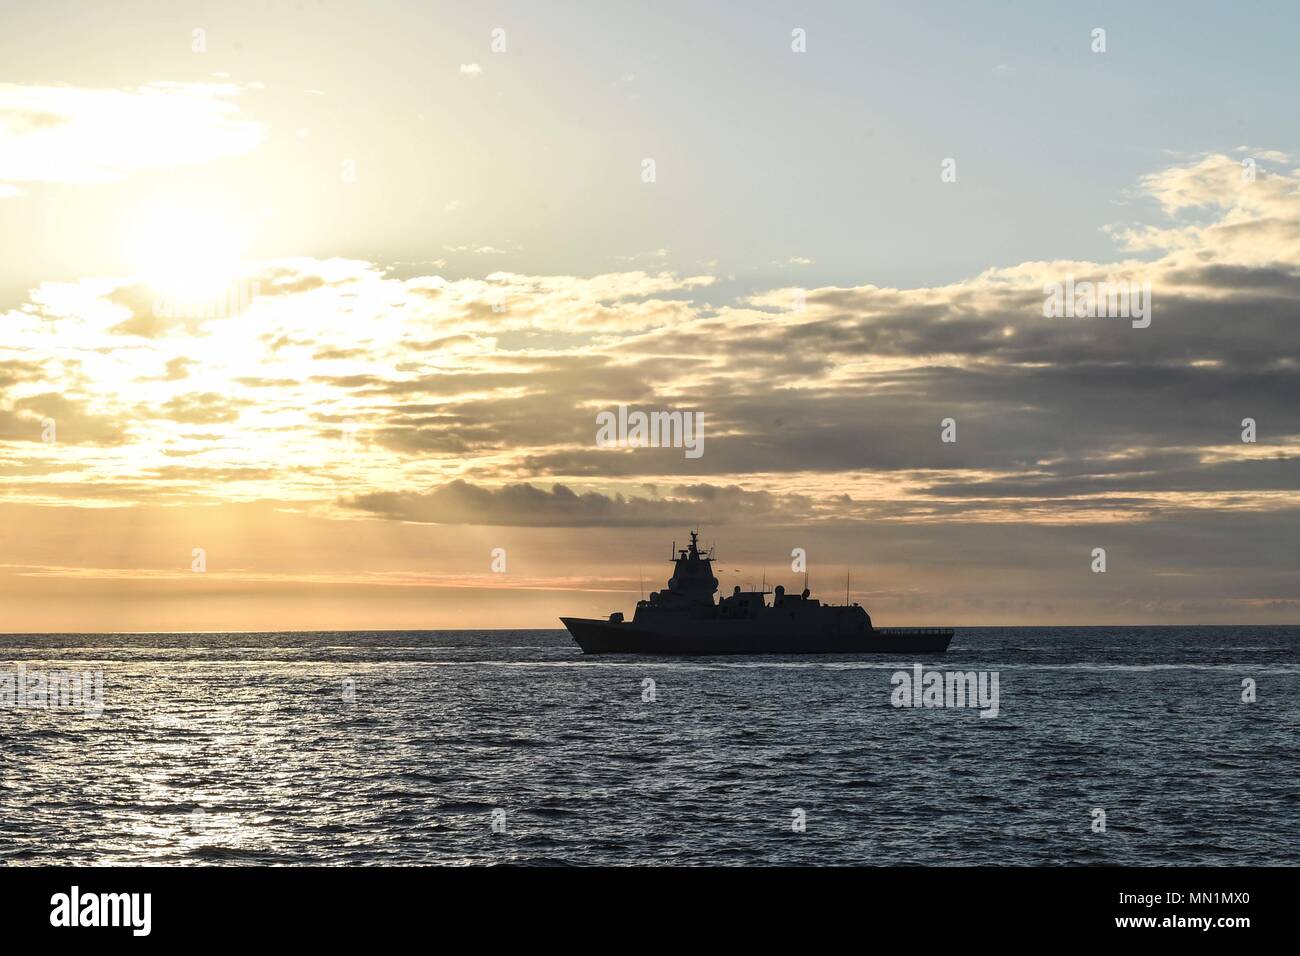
[524, 505]
[64, 134]
[371, 384]
[1247, 208]
[201, 409]
[357, 397]
[74, 421]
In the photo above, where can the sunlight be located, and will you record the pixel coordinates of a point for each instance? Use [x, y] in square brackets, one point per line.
[186, 253]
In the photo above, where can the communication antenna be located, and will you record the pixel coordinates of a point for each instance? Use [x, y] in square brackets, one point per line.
[846, 587]
[641, 580]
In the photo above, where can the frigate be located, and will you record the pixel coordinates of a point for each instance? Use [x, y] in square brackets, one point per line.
[684, 619]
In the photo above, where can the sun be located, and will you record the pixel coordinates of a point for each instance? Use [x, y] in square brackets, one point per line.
[186, 253]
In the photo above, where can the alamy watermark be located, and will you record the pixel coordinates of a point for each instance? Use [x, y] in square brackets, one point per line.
[223, 303]
[47, 690]
[75, 908]
[951, 689]
[1098, 300]
[637, 429]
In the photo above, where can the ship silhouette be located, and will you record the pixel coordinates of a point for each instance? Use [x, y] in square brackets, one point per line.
[683, 619]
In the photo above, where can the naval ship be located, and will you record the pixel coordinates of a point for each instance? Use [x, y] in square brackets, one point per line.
[683, 619]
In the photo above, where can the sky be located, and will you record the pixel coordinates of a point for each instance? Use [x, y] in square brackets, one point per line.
[308, 309]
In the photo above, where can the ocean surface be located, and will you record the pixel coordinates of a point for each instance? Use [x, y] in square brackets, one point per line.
[511, 747]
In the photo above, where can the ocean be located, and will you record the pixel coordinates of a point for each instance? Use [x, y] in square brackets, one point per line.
[1110, 745]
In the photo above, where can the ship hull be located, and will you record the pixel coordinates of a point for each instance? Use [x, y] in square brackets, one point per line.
[606, 637]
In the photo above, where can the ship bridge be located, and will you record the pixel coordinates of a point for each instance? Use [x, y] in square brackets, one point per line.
[692, 582]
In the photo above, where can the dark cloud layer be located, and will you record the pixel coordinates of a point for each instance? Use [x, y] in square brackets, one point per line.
[524, 505]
